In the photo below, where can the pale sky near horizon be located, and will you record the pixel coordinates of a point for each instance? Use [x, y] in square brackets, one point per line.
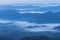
[6, 2]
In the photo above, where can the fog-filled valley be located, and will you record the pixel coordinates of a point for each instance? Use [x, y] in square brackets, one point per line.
[29, 22]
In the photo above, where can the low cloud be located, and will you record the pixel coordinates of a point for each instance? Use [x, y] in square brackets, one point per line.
[38, 27]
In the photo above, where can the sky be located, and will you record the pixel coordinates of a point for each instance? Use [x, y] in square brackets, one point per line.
[7, 2]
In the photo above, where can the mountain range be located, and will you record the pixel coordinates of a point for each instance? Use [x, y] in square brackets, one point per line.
[31, 7]
[10, 31]
[47, 17]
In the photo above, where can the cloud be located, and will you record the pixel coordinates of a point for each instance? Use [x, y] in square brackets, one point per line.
[30, 1]
[34, 26]
[33, 12]
[39, 27]
[5, 21]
